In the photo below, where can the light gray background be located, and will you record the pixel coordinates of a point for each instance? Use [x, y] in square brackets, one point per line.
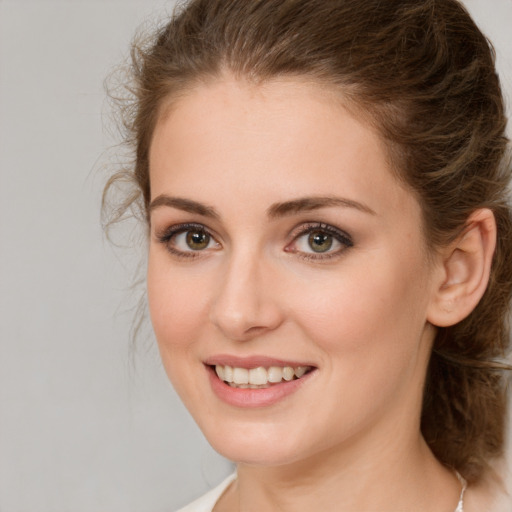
[85, 423]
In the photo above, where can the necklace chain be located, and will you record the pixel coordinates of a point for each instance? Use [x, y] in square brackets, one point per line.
[460, 505]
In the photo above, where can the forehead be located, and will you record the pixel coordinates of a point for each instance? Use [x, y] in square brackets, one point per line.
[272, 140]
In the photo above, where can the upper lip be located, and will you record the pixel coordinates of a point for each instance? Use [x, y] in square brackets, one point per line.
[251, 361]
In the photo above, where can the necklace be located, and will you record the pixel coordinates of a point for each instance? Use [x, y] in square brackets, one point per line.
[460, 505]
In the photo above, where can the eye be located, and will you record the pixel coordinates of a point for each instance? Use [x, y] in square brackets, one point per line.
[319, 241]
[194, 240]
[187, 240]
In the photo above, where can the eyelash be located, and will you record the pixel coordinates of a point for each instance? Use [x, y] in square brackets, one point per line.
[303, 230]
[340, 236]
[169, 234]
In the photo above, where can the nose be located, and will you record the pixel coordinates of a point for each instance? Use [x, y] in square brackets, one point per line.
[245, 304]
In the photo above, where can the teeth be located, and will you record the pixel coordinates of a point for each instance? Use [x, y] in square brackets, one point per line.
[240, 376]
[288, 373]
[300, 371]
[219, 370]
[260, 377]
[228, 373]
[275, 374]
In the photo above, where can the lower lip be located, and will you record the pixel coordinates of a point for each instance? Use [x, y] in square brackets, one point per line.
[250, 398]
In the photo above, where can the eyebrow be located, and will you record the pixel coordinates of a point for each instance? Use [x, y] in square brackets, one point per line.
[307, 204]
[187, 205]
[283, 209]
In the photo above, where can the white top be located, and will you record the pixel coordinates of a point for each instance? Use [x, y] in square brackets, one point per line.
[208, 501]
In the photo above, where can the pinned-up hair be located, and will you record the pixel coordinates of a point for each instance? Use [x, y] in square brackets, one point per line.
[424, 75]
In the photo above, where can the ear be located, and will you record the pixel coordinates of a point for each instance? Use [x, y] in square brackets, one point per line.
[464, 269]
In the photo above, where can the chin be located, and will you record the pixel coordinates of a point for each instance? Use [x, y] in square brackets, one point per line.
[257, 445]
[253, 454]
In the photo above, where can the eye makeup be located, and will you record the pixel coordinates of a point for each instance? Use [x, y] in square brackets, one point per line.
[187, 240]
[315, 241]
[318, 241]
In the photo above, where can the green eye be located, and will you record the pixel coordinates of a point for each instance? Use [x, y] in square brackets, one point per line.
[197, 240]
[320, 241]
[189, 240]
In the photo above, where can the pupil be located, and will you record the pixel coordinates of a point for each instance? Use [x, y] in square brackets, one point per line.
[319, 241]
[197, 240]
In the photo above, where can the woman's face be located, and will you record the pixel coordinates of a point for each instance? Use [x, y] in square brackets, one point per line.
[281, 243]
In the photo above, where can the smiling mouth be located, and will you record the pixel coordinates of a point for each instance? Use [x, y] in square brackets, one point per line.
[260, 377]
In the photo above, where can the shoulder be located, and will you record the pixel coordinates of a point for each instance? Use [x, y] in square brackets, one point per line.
[492, 494]
[483, 501]
[206, 502]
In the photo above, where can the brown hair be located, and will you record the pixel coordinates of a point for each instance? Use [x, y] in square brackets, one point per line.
[424, 74]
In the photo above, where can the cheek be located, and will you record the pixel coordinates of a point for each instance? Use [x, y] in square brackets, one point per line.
[176, 306]
[370, 329]
[365, 314]
[176, 302]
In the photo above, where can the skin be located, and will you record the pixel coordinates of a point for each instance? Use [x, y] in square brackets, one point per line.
[349, 438]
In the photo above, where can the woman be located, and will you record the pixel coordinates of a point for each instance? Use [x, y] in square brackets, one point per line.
[329, 270]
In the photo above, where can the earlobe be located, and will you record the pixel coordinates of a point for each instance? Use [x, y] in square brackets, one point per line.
[465, 267]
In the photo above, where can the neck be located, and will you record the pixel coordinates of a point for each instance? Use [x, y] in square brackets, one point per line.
[396, 476]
